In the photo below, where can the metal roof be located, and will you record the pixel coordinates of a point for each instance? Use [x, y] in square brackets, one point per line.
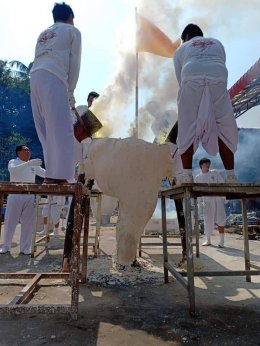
[245, 93]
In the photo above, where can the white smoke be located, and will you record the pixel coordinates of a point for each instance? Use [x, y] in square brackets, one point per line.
[157, 83]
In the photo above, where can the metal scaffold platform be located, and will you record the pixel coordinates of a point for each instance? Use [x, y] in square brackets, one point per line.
[187, 192]
[20, 301]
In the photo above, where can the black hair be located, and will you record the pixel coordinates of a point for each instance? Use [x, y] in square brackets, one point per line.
[204, 160]
[93, 94]
[20, 148]
[61, 12]
[192, 30]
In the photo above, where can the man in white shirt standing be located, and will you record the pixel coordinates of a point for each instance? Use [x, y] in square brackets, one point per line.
[205, 111]
[213, 207]
[54, 76]
[20, 208]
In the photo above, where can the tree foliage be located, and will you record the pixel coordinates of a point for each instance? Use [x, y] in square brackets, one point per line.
[16, 120]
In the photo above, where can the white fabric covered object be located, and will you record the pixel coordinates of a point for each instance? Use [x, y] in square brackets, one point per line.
[131, 170]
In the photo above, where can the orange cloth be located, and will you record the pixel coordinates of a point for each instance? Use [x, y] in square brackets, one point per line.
[149, 38]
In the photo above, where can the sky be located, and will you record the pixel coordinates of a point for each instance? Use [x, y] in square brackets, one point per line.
[108, 27]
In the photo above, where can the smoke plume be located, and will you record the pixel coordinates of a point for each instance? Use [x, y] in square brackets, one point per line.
[157, 83]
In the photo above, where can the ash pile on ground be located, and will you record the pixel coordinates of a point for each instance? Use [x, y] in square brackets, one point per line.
[103, 271]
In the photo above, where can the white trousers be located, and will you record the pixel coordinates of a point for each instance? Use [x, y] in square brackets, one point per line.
[19, 208]
[54, 123]
[57, 202]
[205, 114]
[214, 214]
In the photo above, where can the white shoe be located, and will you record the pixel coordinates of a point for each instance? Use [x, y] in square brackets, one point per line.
[221, 240]
[55, 232]
[206, 243]
[41, 232]
[231, 179]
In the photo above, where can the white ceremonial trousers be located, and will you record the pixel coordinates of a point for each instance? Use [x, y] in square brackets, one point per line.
[19, 208]
[214, 207]
[54, 123]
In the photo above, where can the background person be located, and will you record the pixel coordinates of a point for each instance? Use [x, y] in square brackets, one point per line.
[205, 112]
[52, 211]
[91, 97]
[213, 207]
[20, 208]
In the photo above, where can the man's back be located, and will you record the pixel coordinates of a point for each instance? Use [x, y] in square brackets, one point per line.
[200, 57]
[58, 51]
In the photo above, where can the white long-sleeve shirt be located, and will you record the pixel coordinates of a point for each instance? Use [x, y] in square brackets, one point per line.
[58, 51]
[210, 177]
[200, 57]
[22, 172]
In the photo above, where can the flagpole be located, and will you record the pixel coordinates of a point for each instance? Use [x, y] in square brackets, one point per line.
[136, 76]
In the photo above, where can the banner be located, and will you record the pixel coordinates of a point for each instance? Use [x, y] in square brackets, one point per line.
[149, 38]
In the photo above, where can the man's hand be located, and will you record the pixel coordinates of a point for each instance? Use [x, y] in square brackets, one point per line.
[72, 100]
[35, 162]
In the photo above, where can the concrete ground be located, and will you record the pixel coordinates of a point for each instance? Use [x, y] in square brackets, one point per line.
[134, 306]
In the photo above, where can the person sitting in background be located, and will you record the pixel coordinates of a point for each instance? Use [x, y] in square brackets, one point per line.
[20, 207]
[213, 207]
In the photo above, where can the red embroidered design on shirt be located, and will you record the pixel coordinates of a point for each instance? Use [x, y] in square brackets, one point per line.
[202, 43]
[47, 36]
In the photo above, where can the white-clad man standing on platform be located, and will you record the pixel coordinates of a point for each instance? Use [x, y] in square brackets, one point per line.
[20, 208]
[205, 111]
[213, 207]
[54, 76]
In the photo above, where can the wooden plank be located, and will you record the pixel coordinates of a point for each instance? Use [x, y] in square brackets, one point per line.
[44, 189]
[233, 191]
[25, 294]
[18, 276]
[224, 273]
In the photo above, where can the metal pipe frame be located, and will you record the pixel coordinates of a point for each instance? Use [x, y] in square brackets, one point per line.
[164, 234]
[1, 209]
[19, 303]
[98, 195]
[189, 250]
[246, 241]
[187, 192]
[85, 242]
[181, 228]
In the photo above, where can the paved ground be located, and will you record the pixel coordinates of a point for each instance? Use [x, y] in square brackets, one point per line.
[135, 307]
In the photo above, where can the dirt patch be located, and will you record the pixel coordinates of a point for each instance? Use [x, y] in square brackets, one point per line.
[133, 306]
